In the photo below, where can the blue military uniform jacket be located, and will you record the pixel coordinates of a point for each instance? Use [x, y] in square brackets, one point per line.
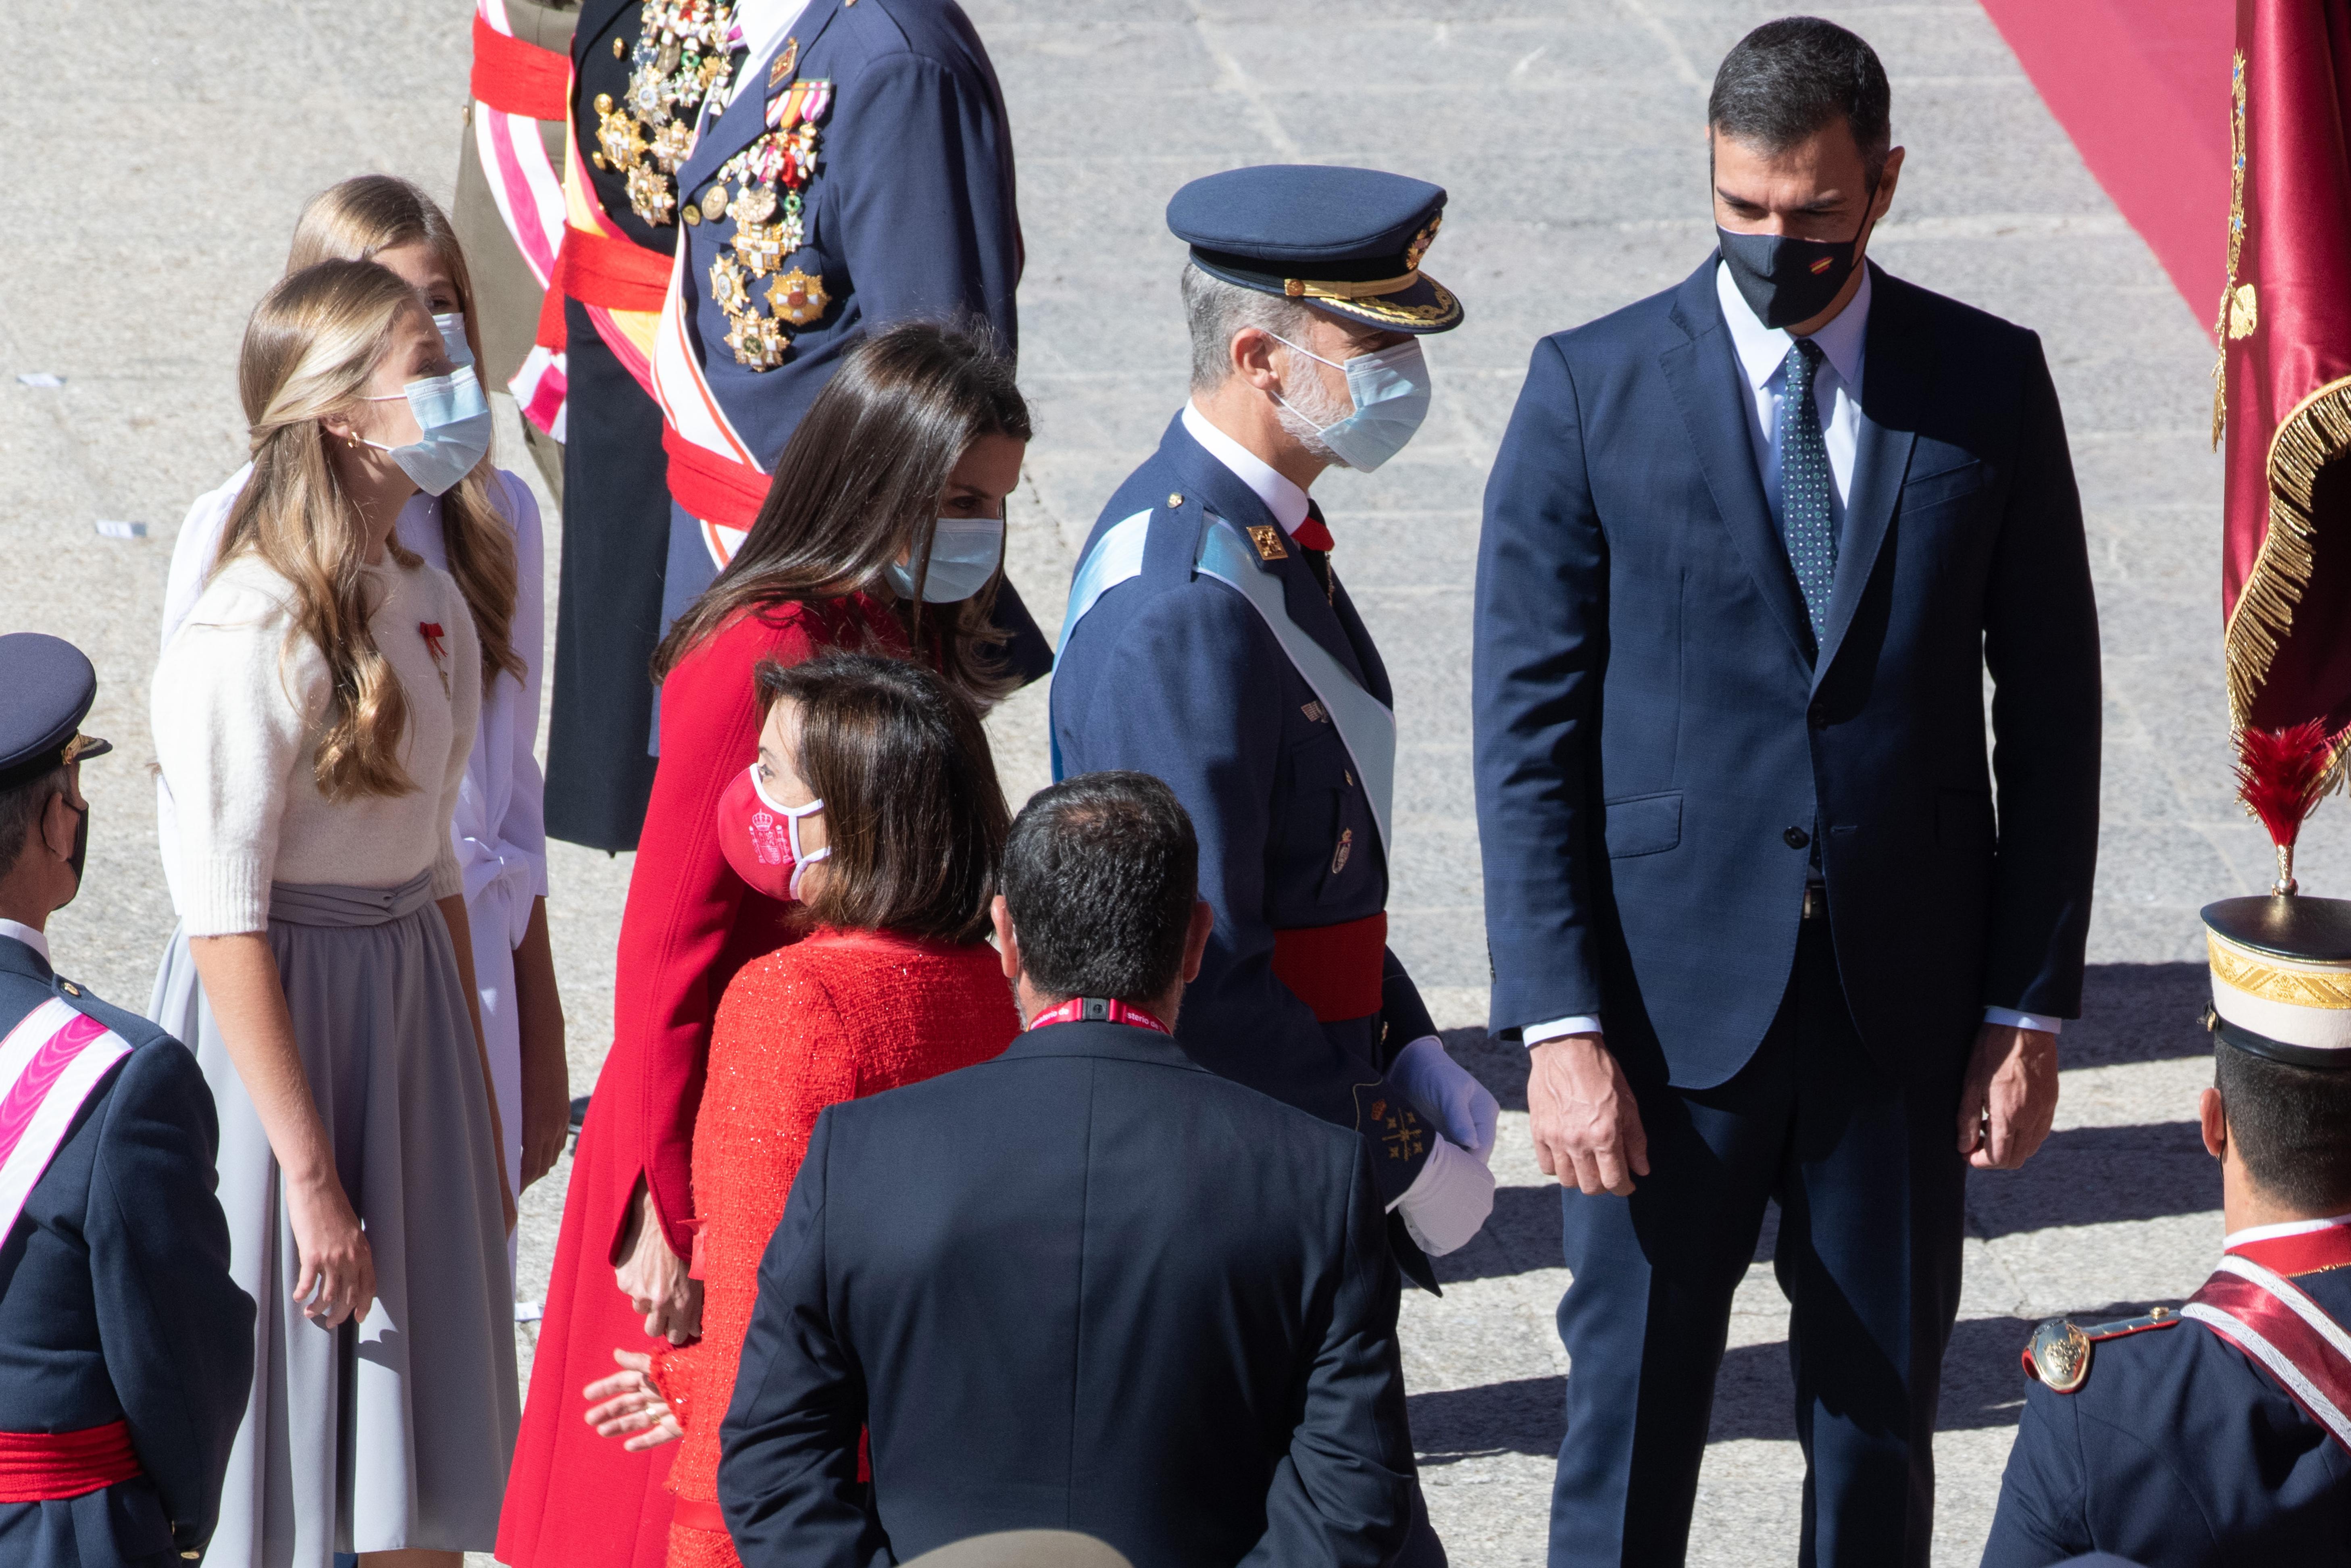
[1174, 674]
[116, 1302]
[2178, 1452]
[908, 215]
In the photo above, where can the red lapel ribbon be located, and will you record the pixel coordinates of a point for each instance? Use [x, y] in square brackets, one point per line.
[1082, 1009]
[432, 643]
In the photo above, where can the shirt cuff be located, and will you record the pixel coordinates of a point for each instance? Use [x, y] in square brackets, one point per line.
[1555, 1029]
[2009, 1017]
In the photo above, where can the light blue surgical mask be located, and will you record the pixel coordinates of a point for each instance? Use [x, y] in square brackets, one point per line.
[1391, 393]
[455, 418]
[453, 338]
[965, 553]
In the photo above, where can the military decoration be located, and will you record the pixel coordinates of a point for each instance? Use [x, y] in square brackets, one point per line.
[680, 62]
[760, 190]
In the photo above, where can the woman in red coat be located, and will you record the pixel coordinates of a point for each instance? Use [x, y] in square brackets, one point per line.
[882, 530]
[875, 797]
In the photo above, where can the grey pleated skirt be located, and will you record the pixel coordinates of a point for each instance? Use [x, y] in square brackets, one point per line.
[396, 1432]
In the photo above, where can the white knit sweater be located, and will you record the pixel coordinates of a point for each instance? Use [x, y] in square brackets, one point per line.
[237, 716]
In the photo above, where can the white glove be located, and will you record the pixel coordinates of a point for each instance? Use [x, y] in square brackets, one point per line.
[1448, 1201]
[1442, 1090]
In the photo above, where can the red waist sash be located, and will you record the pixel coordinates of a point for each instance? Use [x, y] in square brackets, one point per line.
[516, 77]
[712, 488]
[50, 1467]
[607, 271]
[1337, 970]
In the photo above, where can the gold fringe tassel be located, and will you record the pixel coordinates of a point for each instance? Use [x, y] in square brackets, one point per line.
[2314, 434]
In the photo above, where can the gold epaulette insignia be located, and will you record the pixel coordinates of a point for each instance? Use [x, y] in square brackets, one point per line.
[2059, 1352]
[1268, 539]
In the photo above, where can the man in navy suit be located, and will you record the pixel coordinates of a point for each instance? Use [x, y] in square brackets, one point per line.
[126, 1350]
[1088, 1285]
[1750, 545]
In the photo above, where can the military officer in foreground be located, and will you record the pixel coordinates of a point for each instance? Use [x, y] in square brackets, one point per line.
[1208, 641]
[126, 1350]
[2221, 1433]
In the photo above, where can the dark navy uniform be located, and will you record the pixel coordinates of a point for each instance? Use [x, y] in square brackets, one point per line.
[1169, 668]
[126, 1351]
[859, 175]
[2177, 1451]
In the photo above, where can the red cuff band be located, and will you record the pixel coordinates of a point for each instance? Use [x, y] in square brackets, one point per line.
[50, 1467]
[712, 488]
[1337, 970]
[698, 1514]
[516, 77]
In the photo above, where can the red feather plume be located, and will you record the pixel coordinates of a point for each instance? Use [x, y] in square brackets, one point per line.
[2282, 774]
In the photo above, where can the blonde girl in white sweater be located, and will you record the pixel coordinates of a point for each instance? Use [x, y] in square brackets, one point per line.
[312, 720]
[485, 532]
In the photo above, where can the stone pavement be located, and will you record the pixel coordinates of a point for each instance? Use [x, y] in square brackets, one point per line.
[144, 219]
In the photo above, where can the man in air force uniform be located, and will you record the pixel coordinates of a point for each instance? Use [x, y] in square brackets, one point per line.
[125, 1348]
[1208, 642]
[2221, 1432]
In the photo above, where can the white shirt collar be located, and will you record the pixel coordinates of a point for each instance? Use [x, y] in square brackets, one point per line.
[29, 937]
[1764, 350]
[2236, 1239]
[762, 23]
[1285, 500]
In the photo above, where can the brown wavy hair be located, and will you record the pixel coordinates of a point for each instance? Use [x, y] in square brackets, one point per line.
[356, 221]
[312, 345]
[913, 810]
[858, 485]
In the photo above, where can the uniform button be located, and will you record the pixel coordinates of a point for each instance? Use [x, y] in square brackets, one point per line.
[1818, 716]
[693, 215]
[1797, 838]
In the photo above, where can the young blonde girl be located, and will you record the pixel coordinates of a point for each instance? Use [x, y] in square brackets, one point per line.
[313, 721]
[485, 532]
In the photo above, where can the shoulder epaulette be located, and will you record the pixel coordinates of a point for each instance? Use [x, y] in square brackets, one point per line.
[2059, 1351]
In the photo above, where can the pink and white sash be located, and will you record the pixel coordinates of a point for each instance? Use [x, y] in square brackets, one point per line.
[48, 1064]
[525, 186]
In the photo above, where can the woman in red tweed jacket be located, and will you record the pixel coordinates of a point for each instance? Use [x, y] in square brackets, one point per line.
[892, 827]
[868, 541]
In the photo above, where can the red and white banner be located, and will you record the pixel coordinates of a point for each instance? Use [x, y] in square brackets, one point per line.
[515, 85]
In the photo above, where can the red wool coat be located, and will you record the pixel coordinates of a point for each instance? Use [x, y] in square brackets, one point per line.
[574, 1500]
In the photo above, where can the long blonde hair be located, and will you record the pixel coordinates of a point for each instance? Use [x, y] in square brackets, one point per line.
[355, 221]
[309, 351]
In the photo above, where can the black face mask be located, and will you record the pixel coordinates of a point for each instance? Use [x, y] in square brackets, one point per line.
[81, 849]
[1784, 279]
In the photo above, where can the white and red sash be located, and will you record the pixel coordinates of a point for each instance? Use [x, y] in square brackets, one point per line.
[515, 85]
[712, 473]
[48, 1064]
[2251, 1303]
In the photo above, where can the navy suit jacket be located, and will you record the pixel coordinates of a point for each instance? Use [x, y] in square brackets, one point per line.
[1088, 1286]
[2178, 1452]
[1658, 740]
[909, 215]
[116, 1302]
[1174, 674]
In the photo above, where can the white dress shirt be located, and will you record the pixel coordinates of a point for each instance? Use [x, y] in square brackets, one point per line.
[1763, 355]
[2235, 1238]
[1285, 500]
[29, 937]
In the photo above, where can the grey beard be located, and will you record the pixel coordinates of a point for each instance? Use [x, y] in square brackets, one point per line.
[1311, 407]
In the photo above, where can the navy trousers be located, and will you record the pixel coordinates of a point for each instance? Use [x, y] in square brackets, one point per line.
[600, 764]
[1862, 1165]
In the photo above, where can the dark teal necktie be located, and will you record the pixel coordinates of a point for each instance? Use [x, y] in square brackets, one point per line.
[1805, 524]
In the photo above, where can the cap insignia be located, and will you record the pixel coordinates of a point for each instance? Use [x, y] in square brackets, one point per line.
[1420, 243]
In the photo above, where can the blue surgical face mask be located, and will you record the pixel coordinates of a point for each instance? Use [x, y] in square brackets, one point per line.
[456, 421]
[453, 338]
[1391, 393]
[965, 553]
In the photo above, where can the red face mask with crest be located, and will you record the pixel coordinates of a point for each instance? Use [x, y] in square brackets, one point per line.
[762, 840]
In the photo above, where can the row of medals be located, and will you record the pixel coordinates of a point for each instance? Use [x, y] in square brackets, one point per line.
[680, 63]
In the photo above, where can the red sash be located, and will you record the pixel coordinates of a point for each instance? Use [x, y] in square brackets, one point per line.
[1340, 970]
[2250, 1302]
[517, 78]
[50, 1466]
[711, 487]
